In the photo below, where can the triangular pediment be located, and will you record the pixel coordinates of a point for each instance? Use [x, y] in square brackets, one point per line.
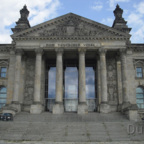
[71, 26]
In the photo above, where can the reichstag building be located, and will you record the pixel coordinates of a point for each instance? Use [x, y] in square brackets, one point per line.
[72, 64]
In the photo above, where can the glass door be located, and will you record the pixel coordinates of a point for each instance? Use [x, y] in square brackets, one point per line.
[90, 89]
[71, 89]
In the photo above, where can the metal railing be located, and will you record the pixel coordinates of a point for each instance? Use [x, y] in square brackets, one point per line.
[91, 104]
[71, 105]
[49, 103]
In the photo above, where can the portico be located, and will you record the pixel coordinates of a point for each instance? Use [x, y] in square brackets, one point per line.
[79, 57]
[72, 64]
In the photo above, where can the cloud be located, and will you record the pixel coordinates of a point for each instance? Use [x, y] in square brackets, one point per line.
[39, 12]
[107, 21]
[112, 3]
[97, 6]
[136, 21]
[140, 7]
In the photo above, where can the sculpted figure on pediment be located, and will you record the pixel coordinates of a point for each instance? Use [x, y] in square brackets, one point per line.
[73, 28]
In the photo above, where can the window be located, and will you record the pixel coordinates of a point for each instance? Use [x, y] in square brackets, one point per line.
[140, 97]
[3, 96]
[3, 72]
[139, 73]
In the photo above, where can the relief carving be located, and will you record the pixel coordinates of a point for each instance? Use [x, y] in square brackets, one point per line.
[111, 80]
[29, 82]
[72, 27]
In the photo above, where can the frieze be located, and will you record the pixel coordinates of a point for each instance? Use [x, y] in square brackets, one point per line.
[136, 47]
[6, 48]
[73, 45]
[74, 28]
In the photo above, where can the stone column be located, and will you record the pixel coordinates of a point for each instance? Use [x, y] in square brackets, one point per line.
[37, 107]
[82, 106]
[104, 107]
[16, 96]
[58, 108]
[126, 102]
[11, 77]
[98, 85]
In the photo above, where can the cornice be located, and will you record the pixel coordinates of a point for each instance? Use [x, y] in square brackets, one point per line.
[62, 19]
[70, 38]
[136, 47]
[5, 48]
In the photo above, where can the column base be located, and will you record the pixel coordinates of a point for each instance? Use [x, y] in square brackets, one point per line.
[36, 109]
[133, 115]
[105, 108]
[132, 112]
[125, 106]
[119, 109]
[13, 108]
[82, 108]
[58, 108]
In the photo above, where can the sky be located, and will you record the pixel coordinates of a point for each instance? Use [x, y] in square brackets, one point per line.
[98, 10]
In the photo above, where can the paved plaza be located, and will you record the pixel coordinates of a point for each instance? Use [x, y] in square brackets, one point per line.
[70, 127]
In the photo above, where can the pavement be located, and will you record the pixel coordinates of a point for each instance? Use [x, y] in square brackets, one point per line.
[71, 128]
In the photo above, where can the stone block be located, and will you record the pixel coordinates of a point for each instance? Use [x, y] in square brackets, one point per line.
[36, 109]
[9, 111]
[16, 106]
[105, 108]
[125, 106]
[133, 115]
[58, 109]
[12, 108]
[82, 108]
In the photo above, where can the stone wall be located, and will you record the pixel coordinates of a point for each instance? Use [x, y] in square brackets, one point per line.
[133, 81]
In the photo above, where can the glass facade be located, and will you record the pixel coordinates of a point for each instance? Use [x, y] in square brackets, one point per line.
[71, 89]
[3, 96]
[3, 72]
[140, 97]
[139, 72]
[90, 88]
[51, 88]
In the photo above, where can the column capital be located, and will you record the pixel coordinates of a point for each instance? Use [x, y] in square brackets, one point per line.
[102, 51]
[81, 50]
[118, 56]
[39, 51]
[19, 52]
[122, 51]
[59, 50]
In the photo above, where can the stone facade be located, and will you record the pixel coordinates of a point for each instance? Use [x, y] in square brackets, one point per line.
[72, 38]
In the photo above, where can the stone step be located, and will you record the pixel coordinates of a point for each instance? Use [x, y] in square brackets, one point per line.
[71, 117]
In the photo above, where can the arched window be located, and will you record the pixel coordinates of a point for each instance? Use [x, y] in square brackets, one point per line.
[140, 97]
[3, 96]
